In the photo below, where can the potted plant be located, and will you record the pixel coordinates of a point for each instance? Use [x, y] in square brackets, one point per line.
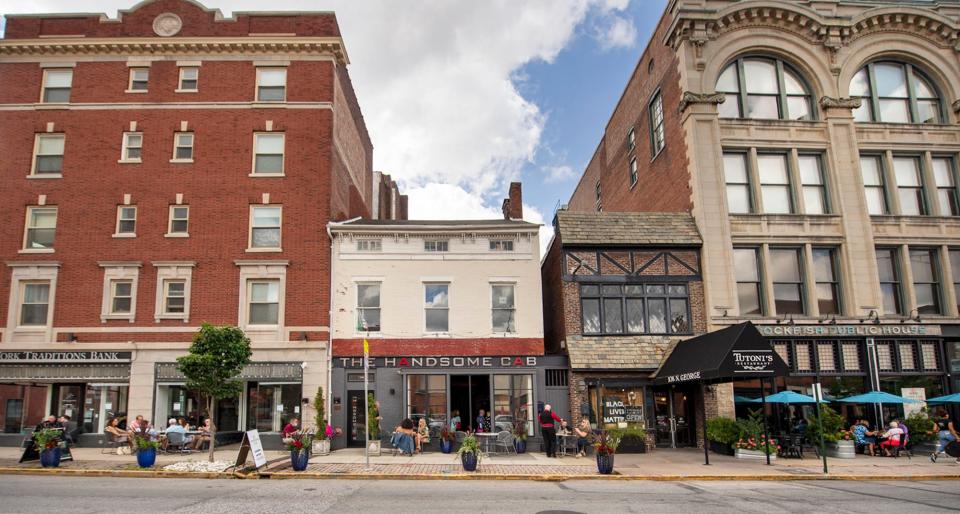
[722, 433]
[756, 448]
[48, 444]
[447, 438]
[632, 440]
[605, 443]
[321, 443]
[298, 443]
[146, 451]
[469, 453]
[520, 436]
[838, 443]
[373, 426]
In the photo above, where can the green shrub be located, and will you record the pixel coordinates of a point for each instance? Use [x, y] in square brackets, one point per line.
[750, 427]
[723, 430]
[919, 425]
[832, 426]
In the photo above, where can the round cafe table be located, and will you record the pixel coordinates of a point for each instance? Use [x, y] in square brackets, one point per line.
[484, 438]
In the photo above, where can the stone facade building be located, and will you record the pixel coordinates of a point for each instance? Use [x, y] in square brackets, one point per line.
[816, 145]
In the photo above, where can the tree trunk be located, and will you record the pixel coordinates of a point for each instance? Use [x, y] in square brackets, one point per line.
[213, 427]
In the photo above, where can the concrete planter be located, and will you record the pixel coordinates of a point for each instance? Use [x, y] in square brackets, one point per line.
[753, 455]
[841, 450]
[373, 449]
[321, 447]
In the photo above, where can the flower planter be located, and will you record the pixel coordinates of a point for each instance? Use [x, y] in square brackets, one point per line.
[520, 445]
[446, 446]
[50, 458]
[469, 461]
[721, 448]
[605, 463]
[146, 457]
[321, 447]
[754, 454]
[299, 459]
[841, 450]
[373, 449]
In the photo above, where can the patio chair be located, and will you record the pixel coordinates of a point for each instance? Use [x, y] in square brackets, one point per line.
[505, 441]
[903, 447]
[176, 442]
[111, 444]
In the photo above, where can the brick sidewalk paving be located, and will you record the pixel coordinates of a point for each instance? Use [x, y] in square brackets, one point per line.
[442, 469]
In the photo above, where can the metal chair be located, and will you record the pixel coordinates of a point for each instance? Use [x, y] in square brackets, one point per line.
[176, 441]
[505, 441]
[111, 444]
[903, 447]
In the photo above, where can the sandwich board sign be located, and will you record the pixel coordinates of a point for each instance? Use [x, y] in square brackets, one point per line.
[251, 444]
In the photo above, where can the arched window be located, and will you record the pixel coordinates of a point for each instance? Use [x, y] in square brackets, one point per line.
[894, 92]
[760, 87]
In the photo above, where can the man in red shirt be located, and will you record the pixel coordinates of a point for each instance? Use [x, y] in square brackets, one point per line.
[548, 430]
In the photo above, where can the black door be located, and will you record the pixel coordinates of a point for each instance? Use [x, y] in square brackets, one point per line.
[356, 420]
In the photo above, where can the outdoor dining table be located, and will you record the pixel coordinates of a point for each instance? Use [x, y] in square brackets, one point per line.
[563, 440]
[485, 438]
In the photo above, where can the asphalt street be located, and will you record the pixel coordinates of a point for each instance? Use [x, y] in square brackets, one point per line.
[76, 495]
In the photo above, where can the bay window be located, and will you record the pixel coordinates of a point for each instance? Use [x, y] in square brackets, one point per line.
[635, 309]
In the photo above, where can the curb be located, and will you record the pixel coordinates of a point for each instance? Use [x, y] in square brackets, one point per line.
[128, 473]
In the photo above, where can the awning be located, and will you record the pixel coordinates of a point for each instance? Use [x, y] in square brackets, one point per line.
[735, 352]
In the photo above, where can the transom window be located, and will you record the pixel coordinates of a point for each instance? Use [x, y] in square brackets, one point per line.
[271, 84]
[56, 85]
[893, 92]
[436, 246]
[49, 159]
[41, 228]
[635, 309]
[763, 88]
[368, 307]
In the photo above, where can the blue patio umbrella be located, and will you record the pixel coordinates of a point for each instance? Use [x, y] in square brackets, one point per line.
[744, 399]
[876, 397]
[950, 398]
[791, 397]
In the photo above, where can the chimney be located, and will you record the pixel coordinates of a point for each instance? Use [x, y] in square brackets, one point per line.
[513, 204]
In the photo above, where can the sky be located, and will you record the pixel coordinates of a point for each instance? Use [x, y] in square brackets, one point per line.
[462, 97]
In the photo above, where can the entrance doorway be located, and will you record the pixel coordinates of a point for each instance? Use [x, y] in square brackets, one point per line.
[673, 409]
[356, 420]
[469, 394]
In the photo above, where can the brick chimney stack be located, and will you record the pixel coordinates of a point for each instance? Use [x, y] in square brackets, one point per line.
[513, 204]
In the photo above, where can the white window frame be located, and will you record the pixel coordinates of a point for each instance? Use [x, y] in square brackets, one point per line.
[500, 245]
[260, 70]
[658, 129]
[181, 78]
[258, 270]
[119, 272]
[177, 145]
[171, 219]
[26, 272]
[125, 147]
[43, 84]
[372, 245]
[250, 247]
[36, 154]
[120, 218]
[438, 245]
[168, 271]
[424, 308]
[357, 307]
[26, 229]
[493, 308]
[132, 74]
[283, 155]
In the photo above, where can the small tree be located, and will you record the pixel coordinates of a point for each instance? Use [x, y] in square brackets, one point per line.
[217, 356]
[373, 418]
[321, 418]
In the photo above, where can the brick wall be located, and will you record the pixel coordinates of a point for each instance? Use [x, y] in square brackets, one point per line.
[551, 279]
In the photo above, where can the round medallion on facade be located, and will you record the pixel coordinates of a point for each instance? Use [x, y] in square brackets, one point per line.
[167, 24]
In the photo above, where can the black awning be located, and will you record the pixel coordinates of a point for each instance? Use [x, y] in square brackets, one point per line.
[734, 352]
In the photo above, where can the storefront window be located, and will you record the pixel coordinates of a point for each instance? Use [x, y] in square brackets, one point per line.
[427, 398]
[909, 387]
[21, 406]
[512, 401]
[620, 407]
[175, 401]
[100, 404]
[271, 406]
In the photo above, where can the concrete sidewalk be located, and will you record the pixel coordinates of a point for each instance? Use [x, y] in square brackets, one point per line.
[684, 464]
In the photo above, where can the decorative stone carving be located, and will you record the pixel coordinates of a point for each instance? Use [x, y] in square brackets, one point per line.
[956, 107]
[167, 24]
[690, 98]
[829, 102]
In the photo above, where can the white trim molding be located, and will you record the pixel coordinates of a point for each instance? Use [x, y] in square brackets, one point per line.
[119, 272]
[24, 272]
[168, 271]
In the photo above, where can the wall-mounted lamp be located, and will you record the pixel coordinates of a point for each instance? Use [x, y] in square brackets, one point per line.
[72, 337]
[872, 317]
[912, 317]
[787, 318]
[393, 391]
[303, 336]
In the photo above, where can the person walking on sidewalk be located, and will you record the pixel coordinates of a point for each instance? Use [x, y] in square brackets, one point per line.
[946, 432]
[548, 430]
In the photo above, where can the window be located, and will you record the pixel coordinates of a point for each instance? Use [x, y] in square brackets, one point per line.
[504, 310]
[265, 226]
[369, 245]
[928, 356]
[183, 146]
[631, 139]
[179, 219]
[271, 84]
[909, 185]
[811, 180]
[827, 285]
[738, 183]
[826, 357]
[555, 378]
[757, 87]
[34, 303]
[174, 296]
[427, 399]
[268, 154]
[635, 309]
[121, 296]
[955, 267]
[774, 183]
[747, 271]
[850, 356]
[888, 269]
[436, 246]
[437, 307]
[49, 154]
[787, 281]
[56, 85]
[368, 307]
[871, 168]
[501, 245]
[926, 280]
[598, 193]
[126, 220]
[908, 356]
[41, 228]
[264, 302]
[893, 92]
[657, 140]
[189, 77]
[132, 147]
[944, 175]
[633, 172]
[138, 79]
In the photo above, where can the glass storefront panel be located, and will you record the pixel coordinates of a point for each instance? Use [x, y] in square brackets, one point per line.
[22, 406]
[427, 398]
[271, 406]
[512, 402]
[175, 401]
[906, 386]
[100, 404]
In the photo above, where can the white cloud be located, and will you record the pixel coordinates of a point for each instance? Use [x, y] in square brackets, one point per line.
[615, 32]
[558, 173]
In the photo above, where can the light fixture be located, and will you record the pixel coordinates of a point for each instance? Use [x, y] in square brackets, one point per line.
[72, 337]
[303, 336]
[911, 317]
[872, 316]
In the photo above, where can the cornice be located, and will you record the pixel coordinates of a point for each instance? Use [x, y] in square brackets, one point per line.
[251, 46]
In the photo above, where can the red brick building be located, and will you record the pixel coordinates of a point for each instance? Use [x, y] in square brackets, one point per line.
[164, 168]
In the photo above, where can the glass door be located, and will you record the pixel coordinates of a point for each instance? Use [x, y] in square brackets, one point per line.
[66, 399]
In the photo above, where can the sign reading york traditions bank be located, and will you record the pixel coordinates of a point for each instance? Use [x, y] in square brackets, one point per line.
[60, 357]
[848, 330]
[439, 362]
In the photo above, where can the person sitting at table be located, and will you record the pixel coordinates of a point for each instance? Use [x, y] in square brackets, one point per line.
[182, 421]
[173, 426]
[404, 438]
[291, 427]
[204, 435]
[134, 426]
[862, 437]
[800, 426]
[891, 438]
[423, 434]
[582, 431]
[70, 429]
[117, 434]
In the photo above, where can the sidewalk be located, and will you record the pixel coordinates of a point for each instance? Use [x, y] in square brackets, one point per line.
[685, 464]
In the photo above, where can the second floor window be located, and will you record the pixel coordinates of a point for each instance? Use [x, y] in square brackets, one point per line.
[127, 220]
[268, 153]
[827, 281]
[747, 272]
[368, 307]
[264, 302]
[504, 311]
[138, 79]
[34, 303]
[955, 268]
[271, 84]
[49, 159]
[121, 296]
[785, 274]
[888, 269]
[437, 307]
[174, 296]
[634, 309]
[179, 220]
[132, 146]
[41, 228]
[657, 137]
[436, 246]
[265, 227]
[56, 85]
[183, 146]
